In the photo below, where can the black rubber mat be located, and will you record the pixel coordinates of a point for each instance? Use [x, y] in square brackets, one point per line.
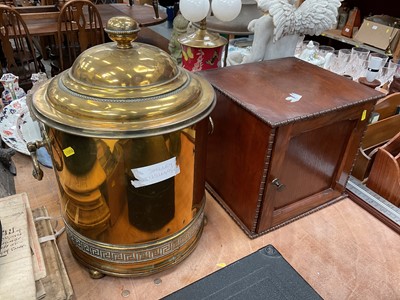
[264, 274]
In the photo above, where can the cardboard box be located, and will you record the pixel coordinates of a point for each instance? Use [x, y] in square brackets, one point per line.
[377, 35]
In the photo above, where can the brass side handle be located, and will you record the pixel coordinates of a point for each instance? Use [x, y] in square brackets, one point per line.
[279, 186]
[211, 130]
[32, 148]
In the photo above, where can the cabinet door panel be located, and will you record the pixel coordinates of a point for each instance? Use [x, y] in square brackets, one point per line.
[311, 161]
[307, 159]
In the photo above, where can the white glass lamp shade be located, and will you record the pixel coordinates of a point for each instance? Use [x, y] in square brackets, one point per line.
[194, 10]
[226, 10]
[374, 65]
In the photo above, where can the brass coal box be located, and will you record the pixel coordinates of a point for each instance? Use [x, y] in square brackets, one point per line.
[127, 129]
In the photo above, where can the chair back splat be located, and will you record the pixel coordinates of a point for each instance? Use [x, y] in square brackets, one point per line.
[19, 55]
[79, 28]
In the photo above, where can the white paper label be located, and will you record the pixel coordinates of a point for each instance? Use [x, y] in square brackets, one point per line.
[155, 173]
[293, 97]
[374, 27]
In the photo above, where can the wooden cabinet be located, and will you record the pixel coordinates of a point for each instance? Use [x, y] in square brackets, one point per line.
[272, 159]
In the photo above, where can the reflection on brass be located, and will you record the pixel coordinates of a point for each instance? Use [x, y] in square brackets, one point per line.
[82, 160]
[101, 204]
[81, 181]
[152, 206]
[92, 198]
[88, 212]
[126, 129]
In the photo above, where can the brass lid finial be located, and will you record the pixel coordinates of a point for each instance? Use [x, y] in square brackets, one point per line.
[122, 30]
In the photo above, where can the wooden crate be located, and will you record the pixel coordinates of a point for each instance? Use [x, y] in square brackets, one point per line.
[272, 159]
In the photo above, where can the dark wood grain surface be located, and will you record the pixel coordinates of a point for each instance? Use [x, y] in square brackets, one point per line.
[44, 23]
[263, 88]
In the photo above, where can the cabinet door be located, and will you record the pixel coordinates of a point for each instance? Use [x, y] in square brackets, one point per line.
[310, 163]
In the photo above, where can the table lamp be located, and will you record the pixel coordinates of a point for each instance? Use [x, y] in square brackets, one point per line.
[201, 50]
[237, 26]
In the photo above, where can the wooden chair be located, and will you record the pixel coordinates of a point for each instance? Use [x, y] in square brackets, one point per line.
[19, 54]
[79, 28]
[41, 13]
[105, 1]
[377, 134]
[7, 2]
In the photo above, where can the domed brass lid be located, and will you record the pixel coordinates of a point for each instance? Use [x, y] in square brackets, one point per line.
[123, 89]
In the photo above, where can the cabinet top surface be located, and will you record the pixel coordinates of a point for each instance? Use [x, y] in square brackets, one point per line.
[288, 89]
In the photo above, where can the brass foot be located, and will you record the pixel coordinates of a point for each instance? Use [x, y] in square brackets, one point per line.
[205, 220]
[94, 274]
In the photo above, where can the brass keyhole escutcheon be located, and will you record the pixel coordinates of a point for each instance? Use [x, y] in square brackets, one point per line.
[279, 186]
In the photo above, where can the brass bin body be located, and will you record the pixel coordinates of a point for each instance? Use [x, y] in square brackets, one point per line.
[107, 232]
[127, 129]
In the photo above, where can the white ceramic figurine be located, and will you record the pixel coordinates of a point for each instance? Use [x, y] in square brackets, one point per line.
[277, 32]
